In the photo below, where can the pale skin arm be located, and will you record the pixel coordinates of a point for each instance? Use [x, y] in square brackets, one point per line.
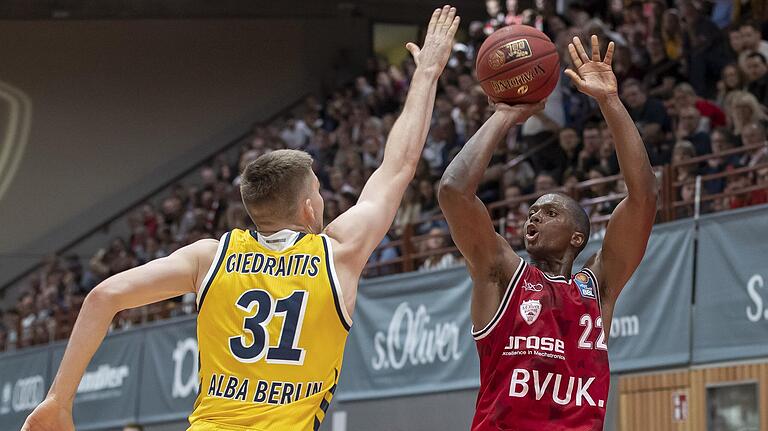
[630, 224]
[356, 233]
[490, 260]
[161, 279]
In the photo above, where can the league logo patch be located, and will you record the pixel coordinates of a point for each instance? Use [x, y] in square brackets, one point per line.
[532, 287]
[530, 310]
[585, 286]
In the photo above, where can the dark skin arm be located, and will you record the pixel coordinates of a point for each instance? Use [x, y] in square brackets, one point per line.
[630, 224]
[490, 260]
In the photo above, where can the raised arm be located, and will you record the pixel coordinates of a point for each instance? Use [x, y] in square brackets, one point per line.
[160, 279]
[359, 230]
[630, 224]
[490, 259]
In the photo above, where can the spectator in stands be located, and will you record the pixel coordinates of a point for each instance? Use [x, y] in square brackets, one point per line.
[754, 134]
[732, 80]
[722, 140]
[544, 182]
[737, 183]
[677, 56]
[688, 130]
[609, 164]
[441, 143]
[742, 109]
[756, 70]
[738, 49]
[428, 199]
[711, 115]
[643, 109]
[752, 38]
[589, 155]
[682, 152]
[662, 72]
[520, 174]
[383, 254]
[704, 47]
[568, 140]
[672, 34]
[515, 217]
[409, 211]
[437, 241]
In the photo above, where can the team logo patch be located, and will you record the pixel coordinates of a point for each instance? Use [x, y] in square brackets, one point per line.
[584, 283]
[532, 287]
[530, 310]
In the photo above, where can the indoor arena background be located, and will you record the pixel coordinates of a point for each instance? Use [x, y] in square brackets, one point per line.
[125, 124]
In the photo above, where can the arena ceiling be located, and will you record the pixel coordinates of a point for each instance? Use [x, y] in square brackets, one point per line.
[383, 10]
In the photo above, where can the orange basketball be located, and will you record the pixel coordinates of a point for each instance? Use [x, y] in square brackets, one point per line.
[517, 64]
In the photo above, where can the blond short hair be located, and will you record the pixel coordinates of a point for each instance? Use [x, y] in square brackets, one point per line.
[273, 185]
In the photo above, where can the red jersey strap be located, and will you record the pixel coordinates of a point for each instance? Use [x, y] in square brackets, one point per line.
[482, 333]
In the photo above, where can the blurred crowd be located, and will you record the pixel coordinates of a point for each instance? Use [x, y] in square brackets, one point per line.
[693, 76]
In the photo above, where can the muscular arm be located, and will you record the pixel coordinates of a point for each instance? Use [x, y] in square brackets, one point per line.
[358, 231]
[630, 224]
[490, 260]
[160, 279]
[364, 225]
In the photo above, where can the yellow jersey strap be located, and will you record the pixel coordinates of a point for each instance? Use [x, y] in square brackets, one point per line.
[218, 259]
[338, 296]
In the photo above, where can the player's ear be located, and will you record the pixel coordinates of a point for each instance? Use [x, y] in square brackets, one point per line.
[308, 213]
[577, 239]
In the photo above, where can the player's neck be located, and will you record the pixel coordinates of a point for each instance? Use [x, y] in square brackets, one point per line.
[271, 228]
[553, 266]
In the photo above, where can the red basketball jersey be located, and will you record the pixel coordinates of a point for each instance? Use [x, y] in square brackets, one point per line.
[543, 357]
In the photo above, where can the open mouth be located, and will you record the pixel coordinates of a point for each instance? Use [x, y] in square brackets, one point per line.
[531, 233]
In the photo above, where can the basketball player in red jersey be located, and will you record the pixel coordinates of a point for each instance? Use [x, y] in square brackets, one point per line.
[540, 331]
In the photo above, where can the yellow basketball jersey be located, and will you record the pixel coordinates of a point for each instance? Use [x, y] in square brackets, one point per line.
[271, 330]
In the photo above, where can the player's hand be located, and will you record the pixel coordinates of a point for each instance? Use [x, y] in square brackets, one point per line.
[50, 415]
[438, 44]
[519, 112]
[593, 77]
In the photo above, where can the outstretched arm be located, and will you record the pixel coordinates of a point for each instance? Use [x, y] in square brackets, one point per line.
[359, 230]
[490, 259]
[630, 224]
[160, 279]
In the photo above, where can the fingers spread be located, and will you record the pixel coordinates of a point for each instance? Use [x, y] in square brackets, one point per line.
[433, 21]
[413, 49]
[609, 54]
[577, 63]
[577, 81]
[595, 48]
[580, 50]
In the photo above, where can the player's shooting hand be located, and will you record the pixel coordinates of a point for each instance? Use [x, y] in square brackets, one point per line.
[593, 77]
[520, 112]
[438, 44]
[50, 415]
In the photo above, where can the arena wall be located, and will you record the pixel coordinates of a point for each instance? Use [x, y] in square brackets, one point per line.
[120, 107]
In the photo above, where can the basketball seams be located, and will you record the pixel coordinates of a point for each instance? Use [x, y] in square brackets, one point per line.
[522, 65]
[516, 64]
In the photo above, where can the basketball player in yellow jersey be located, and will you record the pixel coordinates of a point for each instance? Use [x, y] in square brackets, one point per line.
[274, 304]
